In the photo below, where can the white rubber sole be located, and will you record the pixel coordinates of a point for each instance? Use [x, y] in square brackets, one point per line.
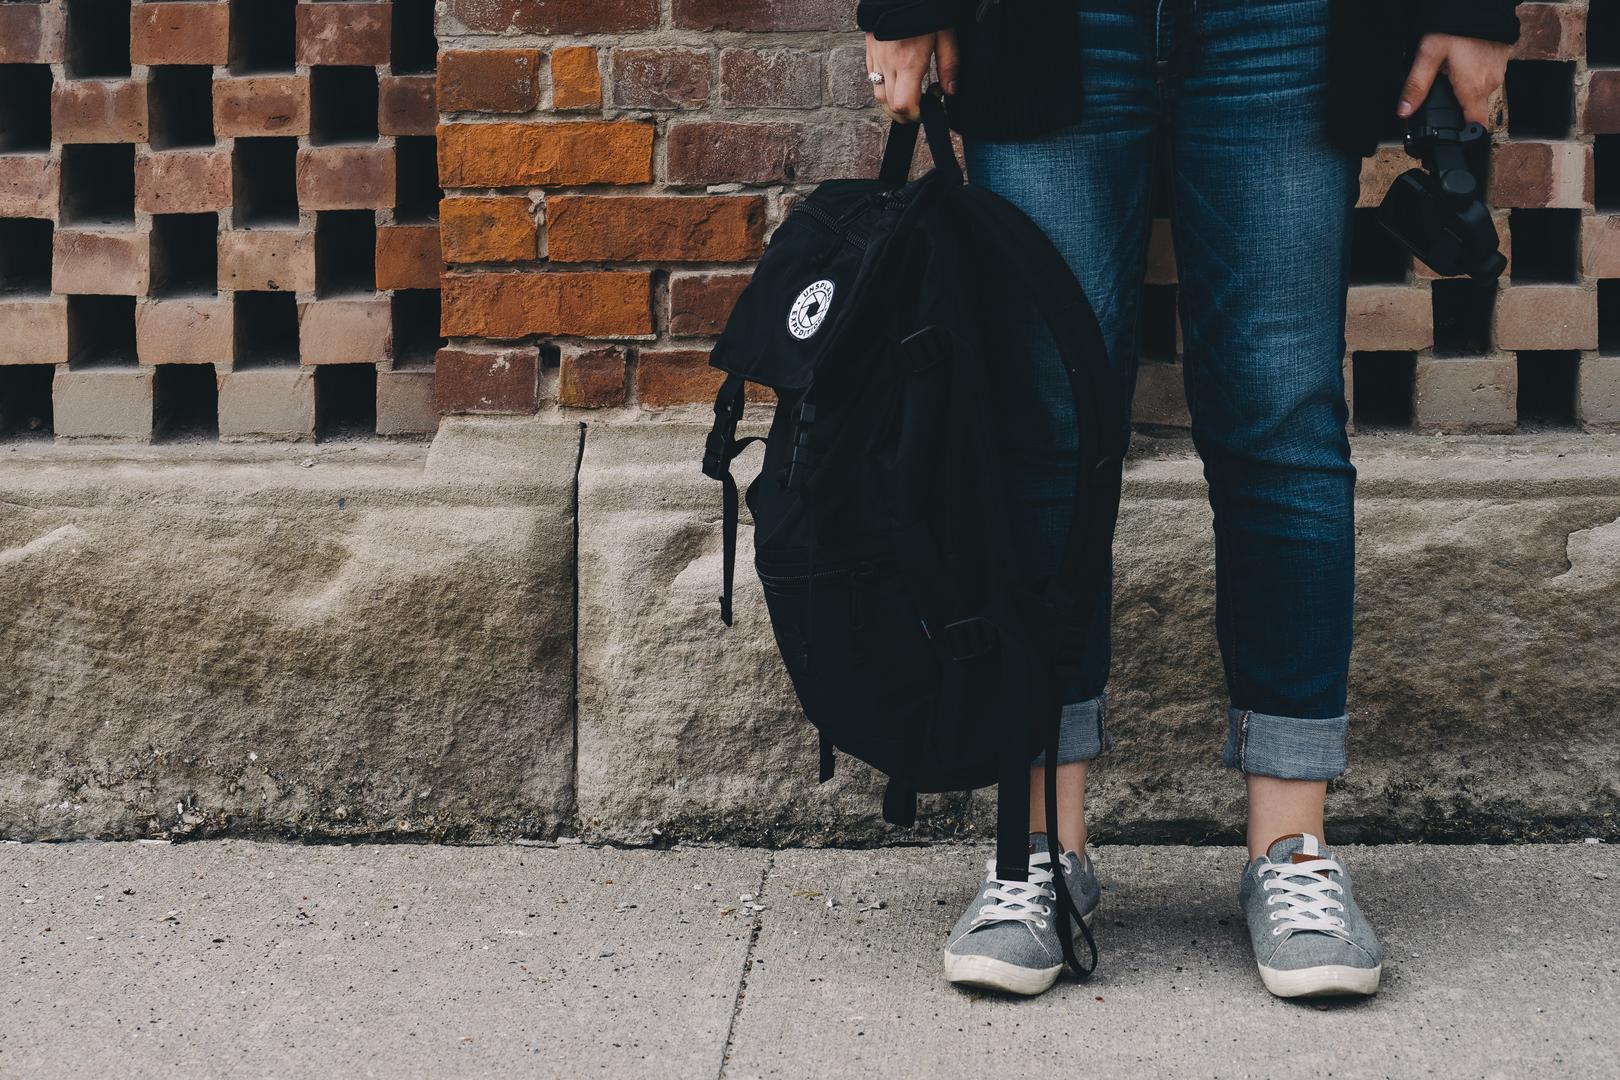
[988, 973]
[1328, 980]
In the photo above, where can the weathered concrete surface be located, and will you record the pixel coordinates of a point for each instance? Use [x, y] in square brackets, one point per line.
[240, 959]
[231, 958]
[345, 639]
[1485, 694]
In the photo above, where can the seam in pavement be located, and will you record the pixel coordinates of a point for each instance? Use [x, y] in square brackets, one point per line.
[573, 642]
[747, 967]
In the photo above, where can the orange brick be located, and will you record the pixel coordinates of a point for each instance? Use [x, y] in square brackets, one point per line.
[179, 33]
[576, 78]
[518, 155]
[507, 306]
[592, 379]
[497, 228]
[489, 80]
[594, 228]
[675, 377]
[408, 257]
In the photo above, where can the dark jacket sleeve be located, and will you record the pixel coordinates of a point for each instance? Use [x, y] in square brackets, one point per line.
[1493, 20]
[890, 20]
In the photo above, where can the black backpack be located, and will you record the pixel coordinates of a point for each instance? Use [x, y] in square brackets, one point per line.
[878, 314]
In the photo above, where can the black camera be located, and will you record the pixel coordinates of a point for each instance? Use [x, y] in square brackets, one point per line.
[1438, 212]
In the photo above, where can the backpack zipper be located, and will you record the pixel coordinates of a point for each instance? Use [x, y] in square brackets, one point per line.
[841, 229]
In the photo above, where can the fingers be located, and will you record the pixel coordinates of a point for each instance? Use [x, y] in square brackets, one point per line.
[948, 59]
[1431, 54]
[905, 95]
[903, 65]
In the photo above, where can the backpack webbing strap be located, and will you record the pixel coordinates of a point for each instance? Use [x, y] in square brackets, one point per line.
[828, 762]
[899, 804]
[722, 446]
[1066, 907]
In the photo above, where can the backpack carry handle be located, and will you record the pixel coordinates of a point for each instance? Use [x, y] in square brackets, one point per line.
[902, 145]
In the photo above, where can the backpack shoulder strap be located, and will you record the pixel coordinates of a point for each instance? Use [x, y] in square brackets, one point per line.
[718, 452]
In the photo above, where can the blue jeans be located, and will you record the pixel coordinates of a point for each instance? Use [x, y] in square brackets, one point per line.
[1261, 209]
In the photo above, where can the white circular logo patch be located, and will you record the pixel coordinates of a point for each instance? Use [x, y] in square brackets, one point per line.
[810, 309]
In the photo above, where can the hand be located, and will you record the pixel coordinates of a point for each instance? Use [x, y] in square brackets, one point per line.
[904, 66]
[1476, 69]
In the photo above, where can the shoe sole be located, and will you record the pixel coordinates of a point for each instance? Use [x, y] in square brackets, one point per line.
[988, 973]
[1328, 980]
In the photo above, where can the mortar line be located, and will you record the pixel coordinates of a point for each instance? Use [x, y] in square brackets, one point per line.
[573, 657]
[747, 966]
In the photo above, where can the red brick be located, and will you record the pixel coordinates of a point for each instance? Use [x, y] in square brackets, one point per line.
[576, 78]
[1534, 317]
[185, 330]
[489, 80]
[555, 16]
[700, 304]
[592, 379]
[267, 260]
[585, 304]
[675, 377]
[408, 257]
[487, 380]
[1389, 318]
[595, 228]
[346, 33]
[661, 78]
[765, 14]
[32, 33]
[1600, 246]
[498, 228]
[112, 263]
[1551, 32]
[183, 181]
[1539, 174]
[345, 177]
[345, 331]
[261, 105]
[711, 152]
[1379, 171]
[28, 185]
[1600, 110]
[517, 155]
[406, 105]
[180, 33]
[33, 331]
[846, 77]
[98, 111]
[770, 78]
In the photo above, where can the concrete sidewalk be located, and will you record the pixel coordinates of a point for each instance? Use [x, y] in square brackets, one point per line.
[233, 958]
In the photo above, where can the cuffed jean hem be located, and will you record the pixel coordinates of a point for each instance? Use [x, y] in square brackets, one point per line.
[1285, 747]
[1083, 732]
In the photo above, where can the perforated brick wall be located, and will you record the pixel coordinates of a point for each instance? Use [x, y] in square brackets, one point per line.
[217, 217]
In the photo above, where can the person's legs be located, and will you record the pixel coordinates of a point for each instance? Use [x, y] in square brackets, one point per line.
[1261, 208]
[1088, 187]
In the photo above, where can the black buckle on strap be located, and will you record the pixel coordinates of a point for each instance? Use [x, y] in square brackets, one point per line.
[970, 639]
[716, 454]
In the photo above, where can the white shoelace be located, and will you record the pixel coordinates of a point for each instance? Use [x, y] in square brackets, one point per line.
[1021, 901]
[1307, 897]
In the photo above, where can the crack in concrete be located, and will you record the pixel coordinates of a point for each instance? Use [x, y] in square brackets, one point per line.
[747, 967]
[573, 673]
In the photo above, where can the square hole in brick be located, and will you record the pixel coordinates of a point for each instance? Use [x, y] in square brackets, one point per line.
[185, 401]
[416, 179]
[1540, 98]
[25, 256]
[1606, 172]
[266, 329]
[98, 39]
[25, 400]
[98, 184]
[1375, 257]
[1547, 388]
[1603, 34]
[1384, 383]
[345, 401]
[264, 175]
[264, 36]
[101, 331]
[416, 327]
[25, 108]
[1157, 333]
[1546, 244]
[180, 106]
[185, 254]
[415, 48]
[1462, 316]
[343, 105]
[345, 252]
[1608, 301]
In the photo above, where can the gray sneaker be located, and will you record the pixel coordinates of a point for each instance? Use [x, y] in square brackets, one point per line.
[1310, 939]
[1007, 939]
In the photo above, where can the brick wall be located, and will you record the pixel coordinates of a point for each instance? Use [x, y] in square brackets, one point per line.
[217, 216]
[612, 166]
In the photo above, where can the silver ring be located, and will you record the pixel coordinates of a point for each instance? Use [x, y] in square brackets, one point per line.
[875, 78]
